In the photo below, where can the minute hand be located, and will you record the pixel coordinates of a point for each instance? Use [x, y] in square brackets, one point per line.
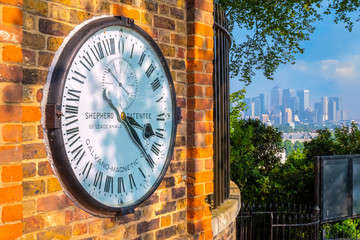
[136, 139]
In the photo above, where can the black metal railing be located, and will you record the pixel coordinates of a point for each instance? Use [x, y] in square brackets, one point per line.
[222, 43]
[274, 222]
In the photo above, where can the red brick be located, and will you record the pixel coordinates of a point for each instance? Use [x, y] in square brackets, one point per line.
[209, 68]
[12, 173]
[199, 127]
[12, 15]
[201, 54]
[200, 104]
[196, 202]
[12, 53]
[194, 65]
[203, 5]
[11, 231]
[10, 33]
[33, 223]
[10, 73]
[199, 226]
[195, 189]
[51, 203]
[126, 11]
[12, 93]
[12, 2]
[209, 188]
[209, 139]
[165, 221]
[12, 133]
[11, 194]
[196, 41]
[209, 164]
[12, 213]
[209, 115]
[9, 113]
[201, 29]
[10, 154]
[80, 229]
[195, 214]
[199, 78]
[31, 114]
[200, 177]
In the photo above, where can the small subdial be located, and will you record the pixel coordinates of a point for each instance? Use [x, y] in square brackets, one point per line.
[120, 83]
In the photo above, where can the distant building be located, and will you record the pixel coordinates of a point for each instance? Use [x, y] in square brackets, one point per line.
[304, 100]
[264, 103]
[288, 116]
[325, 108]
[264, 118]
[332, 110]
[276, 98]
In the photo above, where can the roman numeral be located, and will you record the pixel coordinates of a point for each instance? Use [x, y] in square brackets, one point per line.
[132, 181]
[121, 185]
[73, 132]
[89, 61]
[150, 70]
[121, 46]
[98, 179]
[99, 51]
[155, 149]
[75, 94]
[79, 75]
[159, 134]
[142, 59]
[161, 117]
[108, 184]
[86, 169]
[79, 151]
[155, 84]
[132, 51]
[71, 109]
[160, 99]
[109, 46]
[142, 173]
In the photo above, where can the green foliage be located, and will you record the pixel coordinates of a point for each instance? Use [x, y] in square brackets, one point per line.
[237, 105]
[275, 30]
[348, 229]
[289, 147]
[254, 159]
[345, 140]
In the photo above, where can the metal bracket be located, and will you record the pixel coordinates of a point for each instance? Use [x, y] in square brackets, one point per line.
[52, 116]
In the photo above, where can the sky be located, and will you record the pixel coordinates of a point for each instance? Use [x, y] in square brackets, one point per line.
[329, 67]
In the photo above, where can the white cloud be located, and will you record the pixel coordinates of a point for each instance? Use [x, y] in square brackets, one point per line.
[301, 66]
[346, 71]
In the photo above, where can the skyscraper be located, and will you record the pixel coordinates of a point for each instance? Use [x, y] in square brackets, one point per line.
[276, 98]
[304, 100]
[325, 108]
[264, 104]
[332, 110]
[288, 115]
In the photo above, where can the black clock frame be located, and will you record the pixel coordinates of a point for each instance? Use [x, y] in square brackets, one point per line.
[51, 110]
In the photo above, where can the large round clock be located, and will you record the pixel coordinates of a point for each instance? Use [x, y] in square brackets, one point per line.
[109, 115]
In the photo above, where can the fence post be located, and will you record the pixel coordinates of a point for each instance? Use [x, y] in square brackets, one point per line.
[271, 226]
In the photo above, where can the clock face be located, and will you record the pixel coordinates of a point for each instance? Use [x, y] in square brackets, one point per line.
[117, 122]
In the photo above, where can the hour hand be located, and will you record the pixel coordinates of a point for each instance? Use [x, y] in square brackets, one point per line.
[136, 139]
[147, 129]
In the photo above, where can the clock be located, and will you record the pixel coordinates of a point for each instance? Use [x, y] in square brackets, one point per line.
[109, 115]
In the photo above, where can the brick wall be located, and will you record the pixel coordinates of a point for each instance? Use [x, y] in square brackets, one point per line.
[32, 203]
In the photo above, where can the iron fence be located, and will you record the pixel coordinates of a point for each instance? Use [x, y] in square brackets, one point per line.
[278, 222]
[221, 86]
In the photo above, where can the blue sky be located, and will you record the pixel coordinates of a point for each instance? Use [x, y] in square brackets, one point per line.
[330, 66]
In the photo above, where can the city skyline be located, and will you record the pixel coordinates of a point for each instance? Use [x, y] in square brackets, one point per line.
[293, 106]
[329, 67]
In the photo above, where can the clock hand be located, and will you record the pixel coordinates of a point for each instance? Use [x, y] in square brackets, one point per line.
[120, 84]
[136, 138]
[147, 129]
[122, 118]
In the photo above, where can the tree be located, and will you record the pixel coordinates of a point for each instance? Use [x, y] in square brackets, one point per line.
[255, 150]
[275, 30]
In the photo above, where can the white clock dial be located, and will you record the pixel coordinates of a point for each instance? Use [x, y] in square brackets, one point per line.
[118, 116]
